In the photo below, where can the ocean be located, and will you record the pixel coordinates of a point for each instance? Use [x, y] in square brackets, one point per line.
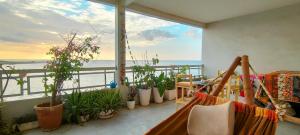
[36, 84]
[32, 64]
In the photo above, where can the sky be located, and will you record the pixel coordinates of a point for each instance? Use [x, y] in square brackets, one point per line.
[29, 28]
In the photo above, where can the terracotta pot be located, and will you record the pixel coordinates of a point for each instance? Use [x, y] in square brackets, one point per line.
[157, 98]
[49, 118]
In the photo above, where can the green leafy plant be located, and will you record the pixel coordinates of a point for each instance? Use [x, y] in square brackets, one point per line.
[74, 106]
[89, 103]
[170, 83]
[184, 69]
[170, 80]
[65, 61]
[132, 90]
[160, 83]
[25, 119]
[144, 74]
[109, 100]
[8, 72]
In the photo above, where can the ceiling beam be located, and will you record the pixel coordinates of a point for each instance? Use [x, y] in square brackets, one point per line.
[128, 2]
[109, 2]
[156, 13]
[164, 15]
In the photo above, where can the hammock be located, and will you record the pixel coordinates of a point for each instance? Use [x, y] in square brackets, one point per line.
[249, 119]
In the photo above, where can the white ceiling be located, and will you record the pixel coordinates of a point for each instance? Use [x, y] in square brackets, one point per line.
[208, 11]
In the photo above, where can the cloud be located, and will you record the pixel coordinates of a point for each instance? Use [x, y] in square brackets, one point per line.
[155, 34]
[8, 38]
[40, 22]
[194, 33]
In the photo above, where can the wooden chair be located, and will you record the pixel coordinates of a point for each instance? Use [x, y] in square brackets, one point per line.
[232, 86]
[185, 85]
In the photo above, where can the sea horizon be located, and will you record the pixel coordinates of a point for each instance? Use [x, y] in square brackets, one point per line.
[38, 64]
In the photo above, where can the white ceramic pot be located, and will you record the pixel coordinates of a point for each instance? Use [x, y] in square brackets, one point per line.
[106, 115]
[157, 97]
[84, 118]
[130, 105]
[170, 94]
[145, 95]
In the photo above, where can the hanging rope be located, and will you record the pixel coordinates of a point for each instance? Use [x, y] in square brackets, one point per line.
[129, 49]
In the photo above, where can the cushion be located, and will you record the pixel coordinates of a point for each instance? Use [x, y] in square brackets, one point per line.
[212, 120]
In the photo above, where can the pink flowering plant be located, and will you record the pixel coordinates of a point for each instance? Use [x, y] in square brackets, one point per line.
[65, 61]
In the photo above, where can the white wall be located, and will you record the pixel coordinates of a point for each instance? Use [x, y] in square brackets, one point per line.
[15, 109]
[271, 39]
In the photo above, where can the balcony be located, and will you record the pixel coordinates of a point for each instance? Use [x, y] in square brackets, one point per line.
[134, 122]
[266, 31]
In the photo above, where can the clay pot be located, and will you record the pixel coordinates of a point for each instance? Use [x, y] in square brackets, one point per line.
[49, 118]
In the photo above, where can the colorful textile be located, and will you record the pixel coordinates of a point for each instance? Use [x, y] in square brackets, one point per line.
[248, 119]
[287, 90]
[296, 86]
[271, 82]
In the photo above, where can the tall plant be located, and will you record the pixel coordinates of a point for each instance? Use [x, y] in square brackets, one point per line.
[144, 74]
[170, 80]
[8, 71]
[65, 61]
[160, 83]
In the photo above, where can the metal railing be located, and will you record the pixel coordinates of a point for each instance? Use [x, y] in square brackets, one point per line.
[87, 78]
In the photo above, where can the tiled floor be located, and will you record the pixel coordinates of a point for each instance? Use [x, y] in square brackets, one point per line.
[136, 122]
[126, 122]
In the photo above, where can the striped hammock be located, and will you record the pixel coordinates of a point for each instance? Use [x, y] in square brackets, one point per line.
[249, 119]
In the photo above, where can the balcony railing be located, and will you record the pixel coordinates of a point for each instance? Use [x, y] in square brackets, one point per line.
[87, 78]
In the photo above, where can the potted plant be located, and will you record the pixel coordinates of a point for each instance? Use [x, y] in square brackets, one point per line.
[144, 82]
[75, 110]
[64, 62]
[90, 105]
[170, 93]
[26, 122]
[131, 95]
[8, 71]
[160, 87]
[109, 101]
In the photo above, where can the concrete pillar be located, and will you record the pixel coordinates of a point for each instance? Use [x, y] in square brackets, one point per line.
[120, 48]
[120, 43]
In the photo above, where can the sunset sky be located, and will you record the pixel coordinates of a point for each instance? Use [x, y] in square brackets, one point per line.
[28, 28]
